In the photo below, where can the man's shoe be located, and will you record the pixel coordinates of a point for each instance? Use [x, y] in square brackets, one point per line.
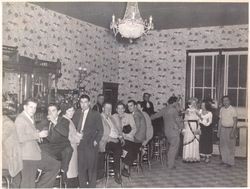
[228, 165]
[118, 178]
[125, 173]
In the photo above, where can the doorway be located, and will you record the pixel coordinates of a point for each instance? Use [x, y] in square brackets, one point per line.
[110, 92]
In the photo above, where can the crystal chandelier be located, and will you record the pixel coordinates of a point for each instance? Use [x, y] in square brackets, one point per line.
[132, 25]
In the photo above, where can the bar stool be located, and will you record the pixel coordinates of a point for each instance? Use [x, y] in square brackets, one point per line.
[109, 167]
[6, 176]
[156, 148]
[138, 163]
[58, 177]
[145, 155]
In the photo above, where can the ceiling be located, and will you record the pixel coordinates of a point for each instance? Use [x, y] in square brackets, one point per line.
[166, 15]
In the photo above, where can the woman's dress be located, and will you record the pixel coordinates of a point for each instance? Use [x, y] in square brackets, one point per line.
[191, 137]
[206, 138]
[74, 141]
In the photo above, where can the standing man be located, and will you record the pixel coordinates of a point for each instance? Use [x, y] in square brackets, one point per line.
[32, 156]
[172, 128]
[89, 123]
[147, 105]
[98, 106]
[227, 132]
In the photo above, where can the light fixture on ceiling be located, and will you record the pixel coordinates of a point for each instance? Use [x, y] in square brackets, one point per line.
[132, 25]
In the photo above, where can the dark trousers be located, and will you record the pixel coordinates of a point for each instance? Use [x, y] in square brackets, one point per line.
[87, 166]
[61, 152]
[47, 164]
[116, 148]
[132, 149]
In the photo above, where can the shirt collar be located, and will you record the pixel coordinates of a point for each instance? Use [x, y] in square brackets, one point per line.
[86, 111]
[31, 119]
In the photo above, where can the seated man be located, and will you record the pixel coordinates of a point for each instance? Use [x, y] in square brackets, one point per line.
[57, 143]
[112, 138]
[127, 124]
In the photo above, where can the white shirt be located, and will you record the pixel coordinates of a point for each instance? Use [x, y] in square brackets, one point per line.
[84, 118]
[227, 115]
[113, 133]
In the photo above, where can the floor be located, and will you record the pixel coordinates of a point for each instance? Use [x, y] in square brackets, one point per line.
[186, 175]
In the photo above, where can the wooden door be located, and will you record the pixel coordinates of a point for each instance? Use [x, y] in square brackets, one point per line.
[110, 92]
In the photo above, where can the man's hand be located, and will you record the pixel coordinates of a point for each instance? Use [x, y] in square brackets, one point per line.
[43, 134]
[95, 143]
[233, 133]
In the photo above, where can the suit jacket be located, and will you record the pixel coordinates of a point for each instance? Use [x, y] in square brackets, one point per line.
[28, 137]
[106, 131]
[150, 131]
[92, 131]
[11, 151]
[97, 107]
[141, 126]
[149, 110]
[172, 120]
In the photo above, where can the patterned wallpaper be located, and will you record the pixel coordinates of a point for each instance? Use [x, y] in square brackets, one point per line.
[50, 35]
[156, 63]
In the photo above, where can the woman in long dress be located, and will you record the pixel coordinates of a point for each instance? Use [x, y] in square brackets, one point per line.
[191, 133]
[68, 111]
[205, 120]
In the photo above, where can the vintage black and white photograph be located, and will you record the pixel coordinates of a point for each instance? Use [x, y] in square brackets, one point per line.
[124, 94]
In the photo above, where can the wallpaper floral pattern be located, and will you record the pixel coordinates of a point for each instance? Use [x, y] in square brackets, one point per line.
[155, 63]
[50, 35]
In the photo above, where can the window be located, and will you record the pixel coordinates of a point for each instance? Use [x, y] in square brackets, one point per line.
[235, 77]
[202, 82]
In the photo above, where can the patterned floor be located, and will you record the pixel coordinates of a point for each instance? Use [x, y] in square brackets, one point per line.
[186, 175]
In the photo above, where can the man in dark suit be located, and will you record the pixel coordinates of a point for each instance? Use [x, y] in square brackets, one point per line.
[57, 143]
[147, 105]
[89, 123]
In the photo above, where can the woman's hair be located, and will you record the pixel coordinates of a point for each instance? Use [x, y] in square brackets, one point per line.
[207, 105]
[65, 105]
[120, 103]
[193, 99]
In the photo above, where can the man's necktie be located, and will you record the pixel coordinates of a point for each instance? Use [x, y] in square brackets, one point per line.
[79, 127]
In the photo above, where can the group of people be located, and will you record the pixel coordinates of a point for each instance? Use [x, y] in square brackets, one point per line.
[69, 140]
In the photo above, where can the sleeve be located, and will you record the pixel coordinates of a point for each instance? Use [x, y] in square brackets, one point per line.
[23, 133]
[220, 113]
[99, 128]
[95, 108]
[132, 124]
[152, 106]
[234, 112]
[157, 115]
[63, 127]
[178, 119]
